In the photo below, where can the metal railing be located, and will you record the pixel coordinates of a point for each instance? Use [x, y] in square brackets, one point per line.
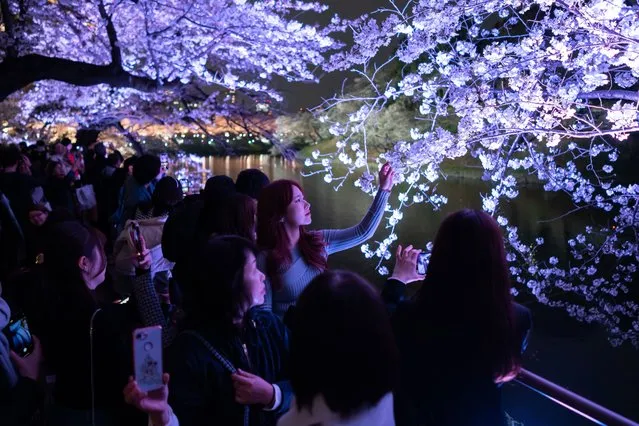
[570, 400]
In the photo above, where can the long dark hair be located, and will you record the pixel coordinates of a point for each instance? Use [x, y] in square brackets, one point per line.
[66, 243]
[216, 295]
[271, 236]
[348, 356]
[467, 290]
[234, 216]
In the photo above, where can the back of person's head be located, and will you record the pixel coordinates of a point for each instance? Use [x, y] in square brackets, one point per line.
[342, 345]
[236, 216]
[272, 207]
[167, 193]
[467, 287]
[216, 294]
[146, 168]
[74, 260]
[114, 159]
[217, 187]
[100, 150]
[10, 156]
[217, 193]
[130, 162]
[59, 148]
[251, 182]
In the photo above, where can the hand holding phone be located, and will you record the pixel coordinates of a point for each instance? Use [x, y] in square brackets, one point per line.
[410, 264]
[136, 238]
[29, 366]
[142, 259]
[422, 260]
[147, 358]
[154, 403]
[19, 336]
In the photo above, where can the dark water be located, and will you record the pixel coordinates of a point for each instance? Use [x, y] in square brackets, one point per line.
[574, 355]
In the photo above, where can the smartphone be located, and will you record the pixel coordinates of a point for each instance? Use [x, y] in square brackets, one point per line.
[147, 358]
[19, 336]
[421, 263]
[135, 237]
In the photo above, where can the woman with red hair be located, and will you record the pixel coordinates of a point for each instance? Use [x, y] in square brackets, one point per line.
[292, 255]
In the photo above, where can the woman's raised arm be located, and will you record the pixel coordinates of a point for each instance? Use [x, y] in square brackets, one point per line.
[342, 239]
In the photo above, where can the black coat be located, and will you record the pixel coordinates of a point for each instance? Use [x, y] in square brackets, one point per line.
[441, 382]
[23, 405]
[201, 389]
[18, 189]
[59, 192]
[12, 244]
[66, 342]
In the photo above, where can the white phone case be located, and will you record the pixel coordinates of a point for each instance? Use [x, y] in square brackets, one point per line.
[147, 357]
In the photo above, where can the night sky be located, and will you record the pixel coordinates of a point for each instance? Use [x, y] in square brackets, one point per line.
[305, 95]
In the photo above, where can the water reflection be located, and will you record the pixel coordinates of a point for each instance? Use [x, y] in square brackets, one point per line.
[532, 211]
[573, 354]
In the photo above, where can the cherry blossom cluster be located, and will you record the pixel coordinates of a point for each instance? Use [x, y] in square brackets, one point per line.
[175, 60]
[537, 89]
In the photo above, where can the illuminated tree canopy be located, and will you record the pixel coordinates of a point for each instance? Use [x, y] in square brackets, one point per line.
[537, 88]
[173, 61]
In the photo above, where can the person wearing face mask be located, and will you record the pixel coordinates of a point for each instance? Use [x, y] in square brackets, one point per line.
[231, 365]
[87, 344]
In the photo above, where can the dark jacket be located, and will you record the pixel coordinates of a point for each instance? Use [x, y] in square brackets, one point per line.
[65, 334]
[179, 238]
[181, 230]
[21, 399]
[18, 189]
[441, 382]
[12, 244]
[201, 389]
[133, 194]
[59, 192]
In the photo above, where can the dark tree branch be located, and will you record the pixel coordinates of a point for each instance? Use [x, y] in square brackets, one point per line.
[19, 72]
[251, 124]
[116, 53]
[218, 140]
[129, 136]
[9, 24]
[175, 22]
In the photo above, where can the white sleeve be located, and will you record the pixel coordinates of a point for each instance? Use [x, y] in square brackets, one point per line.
[277, 401]
[173, 420]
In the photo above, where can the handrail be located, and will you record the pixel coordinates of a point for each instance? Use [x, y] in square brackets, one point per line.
[580, 405]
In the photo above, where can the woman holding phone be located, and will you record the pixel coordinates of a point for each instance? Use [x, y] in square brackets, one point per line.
[231, 365]
[148, 223]
[461, 335]
[292, 255]
[85, 342]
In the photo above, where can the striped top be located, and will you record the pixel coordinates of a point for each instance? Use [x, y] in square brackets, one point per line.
[300, 274]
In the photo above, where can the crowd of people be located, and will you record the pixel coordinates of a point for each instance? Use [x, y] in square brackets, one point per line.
[256, 329]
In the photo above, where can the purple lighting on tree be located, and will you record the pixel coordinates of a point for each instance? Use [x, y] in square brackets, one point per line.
[540, 88]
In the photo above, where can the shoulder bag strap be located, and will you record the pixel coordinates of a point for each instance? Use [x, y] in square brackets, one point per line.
[225, 362]
[92, 366]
